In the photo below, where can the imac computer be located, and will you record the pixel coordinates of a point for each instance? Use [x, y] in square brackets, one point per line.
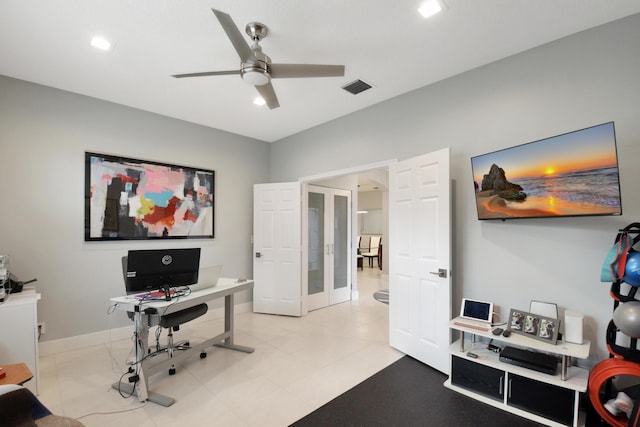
[160, 269]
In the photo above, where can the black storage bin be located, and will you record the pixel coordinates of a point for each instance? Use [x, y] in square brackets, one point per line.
[549, 401]
[477, 378]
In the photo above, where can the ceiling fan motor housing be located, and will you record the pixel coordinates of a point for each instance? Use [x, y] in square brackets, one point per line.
[256, 73]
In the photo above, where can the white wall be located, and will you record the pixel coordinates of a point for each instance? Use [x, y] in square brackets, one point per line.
[369, 200]
[576, 82]
[44, 133]
[370, 222]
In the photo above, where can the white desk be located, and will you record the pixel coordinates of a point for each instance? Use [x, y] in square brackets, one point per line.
[19, 332]
[147, 366]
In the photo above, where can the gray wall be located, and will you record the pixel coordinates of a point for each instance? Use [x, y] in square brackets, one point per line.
[576, 82]
[44, 133]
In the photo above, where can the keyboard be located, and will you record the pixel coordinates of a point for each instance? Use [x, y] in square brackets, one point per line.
[472, 326]
[157, 295]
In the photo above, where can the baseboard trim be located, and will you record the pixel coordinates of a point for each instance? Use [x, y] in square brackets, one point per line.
[47, 348]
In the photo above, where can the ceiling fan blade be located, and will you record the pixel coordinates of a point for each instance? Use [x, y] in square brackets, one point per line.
[237, 39]
[207, 73]
[280, 71]
[269, 95]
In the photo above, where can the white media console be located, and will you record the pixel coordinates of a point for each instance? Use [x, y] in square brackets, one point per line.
[548, 399]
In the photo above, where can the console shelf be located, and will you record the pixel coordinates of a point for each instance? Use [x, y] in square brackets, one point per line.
[549, 399]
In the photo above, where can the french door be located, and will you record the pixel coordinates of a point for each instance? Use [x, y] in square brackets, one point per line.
[328, 246]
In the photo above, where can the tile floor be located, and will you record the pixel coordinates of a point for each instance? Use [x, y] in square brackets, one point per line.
[298, 365]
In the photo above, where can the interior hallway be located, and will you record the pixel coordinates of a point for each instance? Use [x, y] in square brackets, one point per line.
[298, 365]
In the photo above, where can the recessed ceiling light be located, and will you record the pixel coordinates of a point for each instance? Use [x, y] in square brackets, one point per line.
[259, 101]
[430, 8]
[100, 43]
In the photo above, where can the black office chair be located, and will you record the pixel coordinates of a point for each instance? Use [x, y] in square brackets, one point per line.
[172, 323]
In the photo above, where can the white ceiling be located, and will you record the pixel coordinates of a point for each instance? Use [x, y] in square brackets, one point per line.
[385, 43]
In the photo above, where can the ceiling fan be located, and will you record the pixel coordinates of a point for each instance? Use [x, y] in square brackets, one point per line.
[256, 67]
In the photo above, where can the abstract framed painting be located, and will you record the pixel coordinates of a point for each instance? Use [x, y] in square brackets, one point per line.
[130, 199]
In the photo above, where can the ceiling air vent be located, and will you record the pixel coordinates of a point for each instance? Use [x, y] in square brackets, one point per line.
[357, 86]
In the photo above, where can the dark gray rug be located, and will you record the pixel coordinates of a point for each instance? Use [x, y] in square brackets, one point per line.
[408, 393]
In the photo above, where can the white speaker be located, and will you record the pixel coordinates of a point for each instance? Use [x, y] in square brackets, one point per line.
[573, 323]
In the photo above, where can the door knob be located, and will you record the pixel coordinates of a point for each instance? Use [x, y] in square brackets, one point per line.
[442, 272]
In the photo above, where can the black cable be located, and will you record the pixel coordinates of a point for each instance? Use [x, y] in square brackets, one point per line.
[132, 388]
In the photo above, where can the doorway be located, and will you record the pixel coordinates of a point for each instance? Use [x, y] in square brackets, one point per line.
[419, 254]
[328, 246]
[365, 178]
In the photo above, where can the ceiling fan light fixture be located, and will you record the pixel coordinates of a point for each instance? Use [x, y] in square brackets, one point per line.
[255, 74]
[260, 101]
[430, 8]
[255, 77]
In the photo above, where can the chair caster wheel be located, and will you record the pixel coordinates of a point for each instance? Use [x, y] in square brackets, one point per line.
[203, 355]
[172, 371]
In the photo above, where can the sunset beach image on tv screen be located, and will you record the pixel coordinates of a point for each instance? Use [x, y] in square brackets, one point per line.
[572, 174]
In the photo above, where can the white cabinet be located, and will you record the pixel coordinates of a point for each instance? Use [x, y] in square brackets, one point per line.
[549, 399]
[19, 332]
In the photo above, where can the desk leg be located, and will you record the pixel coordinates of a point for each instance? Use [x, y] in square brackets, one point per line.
[142, 338]
[159, 399]
[141, 387]
[228, 327]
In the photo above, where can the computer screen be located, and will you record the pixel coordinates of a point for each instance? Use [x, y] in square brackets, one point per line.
[476, 310]
[160, 269]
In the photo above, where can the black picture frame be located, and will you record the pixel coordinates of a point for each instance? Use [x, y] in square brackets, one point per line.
[132, 199]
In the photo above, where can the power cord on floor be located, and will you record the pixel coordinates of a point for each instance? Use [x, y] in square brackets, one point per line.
[112, 412]
[129, 371]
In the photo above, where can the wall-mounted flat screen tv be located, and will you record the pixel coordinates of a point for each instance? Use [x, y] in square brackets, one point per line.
[573, 174]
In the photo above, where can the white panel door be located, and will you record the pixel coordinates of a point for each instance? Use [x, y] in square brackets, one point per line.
[420, 258]
[277, 245]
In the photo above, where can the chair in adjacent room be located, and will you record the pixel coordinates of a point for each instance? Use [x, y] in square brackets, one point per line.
[360, 257]
[374, 250]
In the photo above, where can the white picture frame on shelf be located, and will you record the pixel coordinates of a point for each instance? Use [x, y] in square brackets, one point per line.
[547, 309]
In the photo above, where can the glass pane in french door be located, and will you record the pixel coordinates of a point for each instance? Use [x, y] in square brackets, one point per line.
[341, 256]
[316, 243]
